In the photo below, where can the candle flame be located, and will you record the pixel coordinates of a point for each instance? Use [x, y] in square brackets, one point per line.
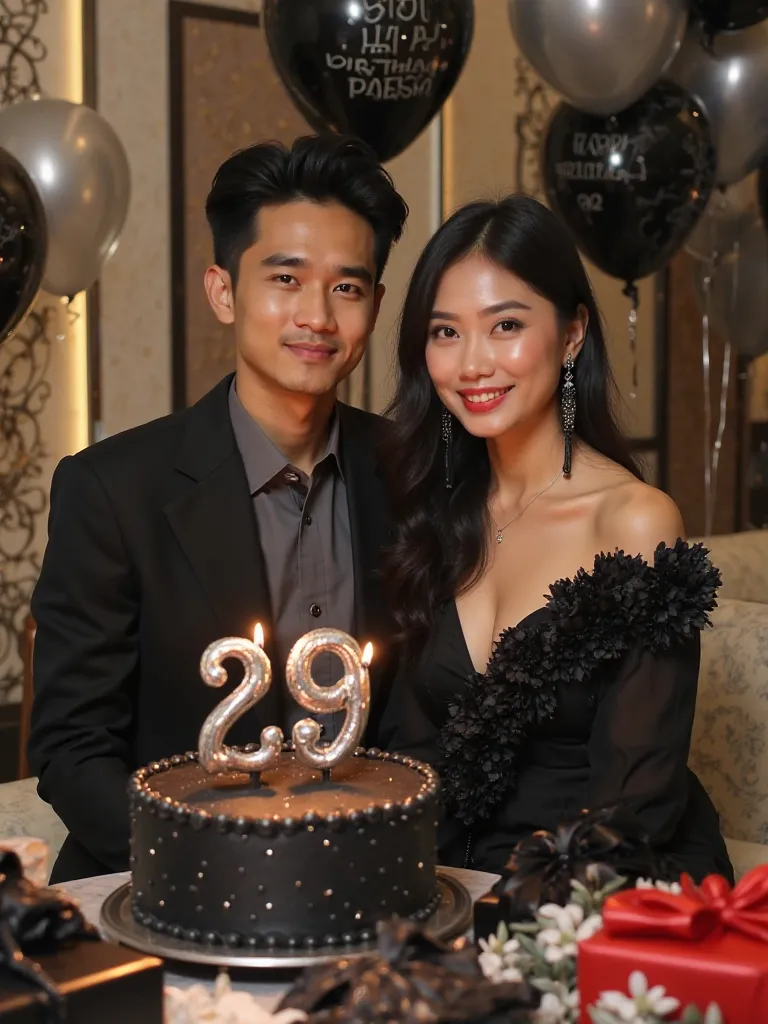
[368, 654]
[258, 635]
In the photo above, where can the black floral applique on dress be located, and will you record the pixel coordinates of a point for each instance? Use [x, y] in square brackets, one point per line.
[594, 618]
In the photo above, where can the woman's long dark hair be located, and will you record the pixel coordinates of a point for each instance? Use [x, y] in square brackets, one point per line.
[440, 542]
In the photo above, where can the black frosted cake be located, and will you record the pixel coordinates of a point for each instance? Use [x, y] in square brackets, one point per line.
[292, 861]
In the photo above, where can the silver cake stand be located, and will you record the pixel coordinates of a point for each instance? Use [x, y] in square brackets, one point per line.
[452, 916]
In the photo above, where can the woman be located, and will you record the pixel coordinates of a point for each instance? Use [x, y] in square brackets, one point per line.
[535, 698]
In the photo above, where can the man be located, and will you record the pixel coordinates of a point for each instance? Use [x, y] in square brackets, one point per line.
[261, 503]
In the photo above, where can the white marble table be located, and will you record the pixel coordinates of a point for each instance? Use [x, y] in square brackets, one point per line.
[91, 893]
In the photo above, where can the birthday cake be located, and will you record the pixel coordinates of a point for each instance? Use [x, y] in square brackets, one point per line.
[291, 860]
[301, 844]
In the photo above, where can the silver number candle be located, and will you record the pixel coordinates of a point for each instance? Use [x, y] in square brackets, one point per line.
[352, 694]
[214, 755]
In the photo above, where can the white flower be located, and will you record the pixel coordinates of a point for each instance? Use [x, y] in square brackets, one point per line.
[648, 883]
[567, 928]
[498, 960]
[642, 1004]
[559, 1006]
[198, 1005]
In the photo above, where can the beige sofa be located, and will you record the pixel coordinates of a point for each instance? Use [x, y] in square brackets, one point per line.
[23, 813]
[742, 559]
[729, 750]
[730, 740]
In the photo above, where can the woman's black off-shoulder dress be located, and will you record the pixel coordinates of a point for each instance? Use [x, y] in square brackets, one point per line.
[586, 703]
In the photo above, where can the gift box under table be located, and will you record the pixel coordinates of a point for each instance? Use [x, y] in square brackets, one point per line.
[101, 983]
[729, 969]
[706, 944]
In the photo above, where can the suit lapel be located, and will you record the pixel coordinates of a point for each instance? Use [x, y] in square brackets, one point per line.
[213, 521]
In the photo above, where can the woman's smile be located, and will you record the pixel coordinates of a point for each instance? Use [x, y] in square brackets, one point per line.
[479, 400]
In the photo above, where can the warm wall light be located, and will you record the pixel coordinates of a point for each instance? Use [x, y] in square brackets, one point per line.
[77, 328]
[73, 48]
[77, 384]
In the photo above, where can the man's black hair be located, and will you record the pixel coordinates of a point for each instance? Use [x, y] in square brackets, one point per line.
[318, 168]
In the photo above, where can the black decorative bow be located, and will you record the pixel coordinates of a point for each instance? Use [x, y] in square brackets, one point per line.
[596, 849]
[35, 920]
[412, 979]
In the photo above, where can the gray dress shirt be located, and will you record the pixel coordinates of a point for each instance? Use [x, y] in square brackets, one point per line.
[306, 540]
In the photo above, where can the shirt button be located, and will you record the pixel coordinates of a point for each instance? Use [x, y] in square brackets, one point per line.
[291, 477]
[315, 610]
[307, 520]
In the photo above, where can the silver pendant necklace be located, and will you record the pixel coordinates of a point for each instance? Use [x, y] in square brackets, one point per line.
[500, 530]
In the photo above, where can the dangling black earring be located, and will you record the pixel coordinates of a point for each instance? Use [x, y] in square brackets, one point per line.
[447, 432]
[568, 404]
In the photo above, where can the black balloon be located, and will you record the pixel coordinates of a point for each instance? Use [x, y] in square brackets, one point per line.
[631, 187]
[377, 69]
[727, 15]
[23, 243]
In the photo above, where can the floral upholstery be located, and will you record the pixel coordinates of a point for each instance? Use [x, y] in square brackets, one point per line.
[730, 741]
[742, 559]
[729, 749]
[23, 813]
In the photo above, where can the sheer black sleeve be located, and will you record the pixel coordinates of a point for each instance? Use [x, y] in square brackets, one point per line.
[641, 735]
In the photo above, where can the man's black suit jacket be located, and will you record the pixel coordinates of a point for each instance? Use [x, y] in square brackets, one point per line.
[153, 554]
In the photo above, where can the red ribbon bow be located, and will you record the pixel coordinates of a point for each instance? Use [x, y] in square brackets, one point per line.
[695, 912]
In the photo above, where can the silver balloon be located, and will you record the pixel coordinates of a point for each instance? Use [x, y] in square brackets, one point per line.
[728, 215]
[351, 693]
[213, 754]
[738, 286]
[600, 56]
[730, 80]
[80, 169]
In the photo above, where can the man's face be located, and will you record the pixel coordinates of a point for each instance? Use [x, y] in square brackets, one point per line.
[306, 300]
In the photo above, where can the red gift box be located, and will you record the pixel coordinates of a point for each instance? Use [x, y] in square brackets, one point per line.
[704, 945]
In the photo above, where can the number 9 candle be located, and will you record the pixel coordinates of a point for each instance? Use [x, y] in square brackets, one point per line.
[352, 693]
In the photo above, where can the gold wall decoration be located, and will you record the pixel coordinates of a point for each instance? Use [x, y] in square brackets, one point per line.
[21, 50]
[24, 387]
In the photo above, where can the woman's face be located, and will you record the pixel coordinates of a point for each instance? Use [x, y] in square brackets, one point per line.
[495, 347]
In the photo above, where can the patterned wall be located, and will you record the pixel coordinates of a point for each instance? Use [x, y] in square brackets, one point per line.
[42, 387]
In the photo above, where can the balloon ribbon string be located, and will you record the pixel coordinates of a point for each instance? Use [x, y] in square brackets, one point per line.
[706, 287]
[712, 449]
[632, 294]
[717, 446]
